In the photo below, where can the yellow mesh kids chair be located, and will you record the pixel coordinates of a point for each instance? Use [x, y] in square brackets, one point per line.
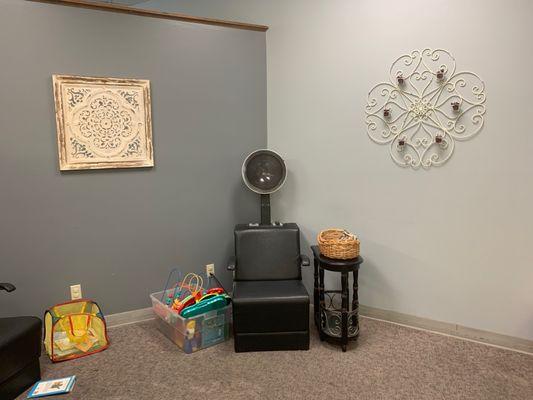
[74, 329]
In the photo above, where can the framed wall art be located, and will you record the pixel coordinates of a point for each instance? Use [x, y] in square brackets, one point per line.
[103, 122]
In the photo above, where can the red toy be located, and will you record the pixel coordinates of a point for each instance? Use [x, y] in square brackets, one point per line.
[179, 305]
[216, 290]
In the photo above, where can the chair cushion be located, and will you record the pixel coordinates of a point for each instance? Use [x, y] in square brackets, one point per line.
[20, 344]
[270, 306]
[267, 252]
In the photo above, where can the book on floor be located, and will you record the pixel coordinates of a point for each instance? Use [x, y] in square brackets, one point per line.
[52, 387]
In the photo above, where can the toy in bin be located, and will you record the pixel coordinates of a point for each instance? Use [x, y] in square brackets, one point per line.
[194, 315]
[189, 298]
[186, 293]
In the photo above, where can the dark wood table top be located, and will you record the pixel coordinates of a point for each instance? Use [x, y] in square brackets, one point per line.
[332, 264]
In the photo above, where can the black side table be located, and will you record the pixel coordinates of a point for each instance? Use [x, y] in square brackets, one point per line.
[336, 325]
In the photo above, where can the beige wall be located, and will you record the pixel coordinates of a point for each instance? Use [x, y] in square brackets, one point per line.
[451, 244]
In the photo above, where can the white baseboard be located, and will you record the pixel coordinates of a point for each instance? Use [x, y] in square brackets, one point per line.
[410, 321]
[129, 317]
[449, 329]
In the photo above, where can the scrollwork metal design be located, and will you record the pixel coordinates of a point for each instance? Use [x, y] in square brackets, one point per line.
[105, 123]
[331, 316]
[425, 108]
[331, 321]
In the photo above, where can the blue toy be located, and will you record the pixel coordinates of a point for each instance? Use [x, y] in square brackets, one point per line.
[209, 304]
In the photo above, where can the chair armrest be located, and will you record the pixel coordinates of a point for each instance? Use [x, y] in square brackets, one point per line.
[231, 264]
[8, 287]
[305, 260]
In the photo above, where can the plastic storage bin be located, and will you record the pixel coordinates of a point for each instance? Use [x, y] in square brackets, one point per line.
[192, 334]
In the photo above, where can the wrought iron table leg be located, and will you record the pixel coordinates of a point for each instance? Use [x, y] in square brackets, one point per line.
[344, 296]
[316, 310]
[322, 302]
[355, 300]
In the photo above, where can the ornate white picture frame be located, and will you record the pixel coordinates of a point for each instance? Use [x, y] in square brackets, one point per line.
[103, 122]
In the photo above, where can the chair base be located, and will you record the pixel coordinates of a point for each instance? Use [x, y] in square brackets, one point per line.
[21, 381]
[271, 341]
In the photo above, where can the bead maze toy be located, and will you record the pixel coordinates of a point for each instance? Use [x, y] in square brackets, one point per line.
[194, 310]
[189, 292]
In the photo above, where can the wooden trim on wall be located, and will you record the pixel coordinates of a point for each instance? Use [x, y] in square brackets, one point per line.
[155, 14]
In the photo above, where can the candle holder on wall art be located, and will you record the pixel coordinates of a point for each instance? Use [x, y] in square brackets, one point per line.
[433, 103]
[400, 79]
[401, 144]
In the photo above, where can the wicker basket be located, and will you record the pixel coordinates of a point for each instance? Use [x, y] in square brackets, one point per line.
[338, 243]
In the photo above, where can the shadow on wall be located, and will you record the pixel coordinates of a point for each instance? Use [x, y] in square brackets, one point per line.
[385, 265]
[374, 285]
[105, 171]
[286, 197]
[246, 212]
[305, 248]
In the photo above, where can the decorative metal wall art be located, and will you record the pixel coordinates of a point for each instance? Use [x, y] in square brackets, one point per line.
[103, 122]
[425, 108]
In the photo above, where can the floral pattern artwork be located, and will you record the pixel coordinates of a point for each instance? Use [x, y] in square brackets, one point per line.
[425, 108]
[103, 122]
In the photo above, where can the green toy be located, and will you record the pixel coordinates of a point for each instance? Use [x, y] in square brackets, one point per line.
[210, 304]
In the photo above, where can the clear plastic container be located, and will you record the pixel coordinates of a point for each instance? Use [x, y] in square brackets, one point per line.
[192, 334]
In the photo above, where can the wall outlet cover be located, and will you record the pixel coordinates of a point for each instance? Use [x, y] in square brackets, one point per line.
[210, 269]
[75, 292]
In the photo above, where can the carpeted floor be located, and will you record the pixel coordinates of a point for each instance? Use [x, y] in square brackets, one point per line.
[388, 362]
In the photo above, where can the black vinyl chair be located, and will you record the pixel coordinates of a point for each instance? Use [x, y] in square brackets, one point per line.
[20, 348]
[270, 303]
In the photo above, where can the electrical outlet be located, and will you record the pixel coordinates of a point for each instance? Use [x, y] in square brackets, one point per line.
[210, 269]
[75, 292]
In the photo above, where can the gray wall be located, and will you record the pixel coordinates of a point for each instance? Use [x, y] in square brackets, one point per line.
[451, 244]
[118, 232]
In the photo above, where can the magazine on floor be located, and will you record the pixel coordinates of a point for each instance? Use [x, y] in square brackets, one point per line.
[52, 387]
